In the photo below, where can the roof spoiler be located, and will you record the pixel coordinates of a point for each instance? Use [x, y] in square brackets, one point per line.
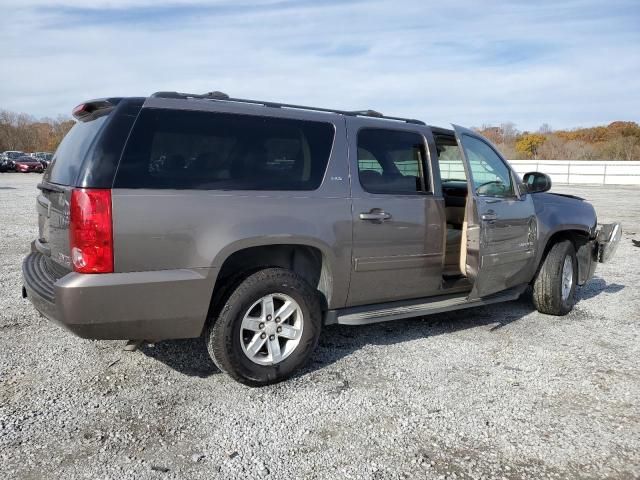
[94, 108]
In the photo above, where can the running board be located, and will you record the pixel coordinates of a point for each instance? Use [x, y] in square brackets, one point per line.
[385, 312]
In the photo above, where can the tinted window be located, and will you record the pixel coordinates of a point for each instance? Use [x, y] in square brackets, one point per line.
[204, 150]
[491, 177]
[72, 151]
[391, 161]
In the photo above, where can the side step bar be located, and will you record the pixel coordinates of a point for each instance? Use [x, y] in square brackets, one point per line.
[385, 312]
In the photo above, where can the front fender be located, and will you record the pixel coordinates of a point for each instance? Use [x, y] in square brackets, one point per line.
[557, 214]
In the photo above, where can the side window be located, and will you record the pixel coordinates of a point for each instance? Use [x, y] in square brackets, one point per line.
[391, 161]
[219, 151]
[450, 159]
[490, 176]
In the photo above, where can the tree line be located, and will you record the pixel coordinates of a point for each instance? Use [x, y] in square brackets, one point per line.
[19, 131]
[616, 141]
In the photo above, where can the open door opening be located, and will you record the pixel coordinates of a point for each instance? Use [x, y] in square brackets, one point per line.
[455, 190]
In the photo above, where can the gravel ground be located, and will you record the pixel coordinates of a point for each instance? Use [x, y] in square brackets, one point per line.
[493, 392]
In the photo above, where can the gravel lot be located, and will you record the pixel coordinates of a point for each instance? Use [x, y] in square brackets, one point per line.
[494, 392]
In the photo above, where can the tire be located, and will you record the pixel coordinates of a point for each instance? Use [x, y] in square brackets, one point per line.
[229, 342]
[548, 286]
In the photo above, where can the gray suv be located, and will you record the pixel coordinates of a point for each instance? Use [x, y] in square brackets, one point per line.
[254, 224]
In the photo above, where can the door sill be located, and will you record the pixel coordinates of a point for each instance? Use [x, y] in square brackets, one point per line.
[384, 312]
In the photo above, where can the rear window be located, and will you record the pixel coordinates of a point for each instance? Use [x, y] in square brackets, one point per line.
[72, 151]
[204, 150]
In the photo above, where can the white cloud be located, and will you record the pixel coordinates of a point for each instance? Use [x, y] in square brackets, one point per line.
[568, 65]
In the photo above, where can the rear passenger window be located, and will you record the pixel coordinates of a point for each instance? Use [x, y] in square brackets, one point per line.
[204, 150]
[391, 161]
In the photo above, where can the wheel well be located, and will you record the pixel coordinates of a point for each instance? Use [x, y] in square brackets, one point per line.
[580, 240]
[306, 261]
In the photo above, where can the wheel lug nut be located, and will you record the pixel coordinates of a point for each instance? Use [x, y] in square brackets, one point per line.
[272, 337]
[268, 318]
[279, 329]
[277, 319]
[261, 326]
[264, 335]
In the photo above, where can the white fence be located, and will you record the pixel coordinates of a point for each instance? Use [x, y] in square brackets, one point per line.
[597, 172]
[584, 172]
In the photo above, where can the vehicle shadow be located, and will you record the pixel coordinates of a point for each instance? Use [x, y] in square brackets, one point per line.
[595, 287]
[190, 357]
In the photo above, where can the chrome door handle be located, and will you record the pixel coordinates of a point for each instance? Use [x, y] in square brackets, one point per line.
[489, 216]
[375, 215]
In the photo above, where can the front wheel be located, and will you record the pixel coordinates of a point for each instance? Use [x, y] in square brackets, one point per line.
[267, 329]
[554, 289]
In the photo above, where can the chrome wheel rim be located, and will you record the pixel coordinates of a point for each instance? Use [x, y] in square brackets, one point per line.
[567, 277]
[271, 329]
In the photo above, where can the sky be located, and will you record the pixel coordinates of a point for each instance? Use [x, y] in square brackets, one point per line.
[565, 63]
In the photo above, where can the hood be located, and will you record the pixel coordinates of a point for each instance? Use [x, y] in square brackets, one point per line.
[566, 195]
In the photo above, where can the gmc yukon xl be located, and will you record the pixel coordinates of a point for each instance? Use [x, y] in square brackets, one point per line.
[254, 224]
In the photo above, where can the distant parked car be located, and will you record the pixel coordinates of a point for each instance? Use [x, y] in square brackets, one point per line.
[43, 157]
[10, 157]
[26, 164]
[4, 164]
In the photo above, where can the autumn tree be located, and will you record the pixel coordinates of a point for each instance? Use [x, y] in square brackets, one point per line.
[529, 144]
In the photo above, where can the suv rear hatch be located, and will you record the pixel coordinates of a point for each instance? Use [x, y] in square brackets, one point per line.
[85, 161]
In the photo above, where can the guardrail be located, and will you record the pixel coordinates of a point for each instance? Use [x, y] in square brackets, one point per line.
[583, 171]
[578, 172]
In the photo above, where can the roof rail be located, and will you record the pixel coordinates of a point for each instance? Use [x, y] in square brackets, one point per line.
[220, 96]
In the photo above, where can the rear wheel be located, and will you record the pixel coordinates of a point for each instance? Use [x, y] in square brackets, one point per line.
[267, 329]
[555, 285]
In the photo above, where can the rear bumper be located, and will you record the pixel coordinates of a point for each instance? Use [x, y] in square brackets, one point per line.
[139, 305]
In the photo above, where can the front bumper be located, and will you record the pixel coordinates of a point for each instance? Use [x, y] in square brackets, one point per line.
[154, 305]
[607, 240]
[599, 249]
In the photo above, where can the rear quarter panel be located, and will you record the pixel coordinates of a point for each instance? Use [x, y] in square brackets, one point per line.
[189, 229]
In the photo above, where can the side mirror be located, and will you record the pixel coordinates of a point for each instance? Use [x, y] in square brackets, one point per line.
[537, 182]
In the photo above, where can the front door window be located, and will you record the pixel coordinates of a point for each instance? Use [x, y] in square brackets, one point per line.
[490, 176]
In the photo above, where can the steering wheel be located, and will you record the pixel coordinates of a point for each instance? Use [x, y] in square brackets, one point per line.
[486, 184]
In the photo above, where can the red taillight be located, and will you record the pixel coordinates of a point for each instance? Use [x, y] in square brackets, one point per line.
[91, 231]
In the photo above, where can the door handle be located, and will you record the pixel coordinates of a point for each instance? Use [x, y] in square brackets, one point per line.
[375, 215]
[489, 216]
